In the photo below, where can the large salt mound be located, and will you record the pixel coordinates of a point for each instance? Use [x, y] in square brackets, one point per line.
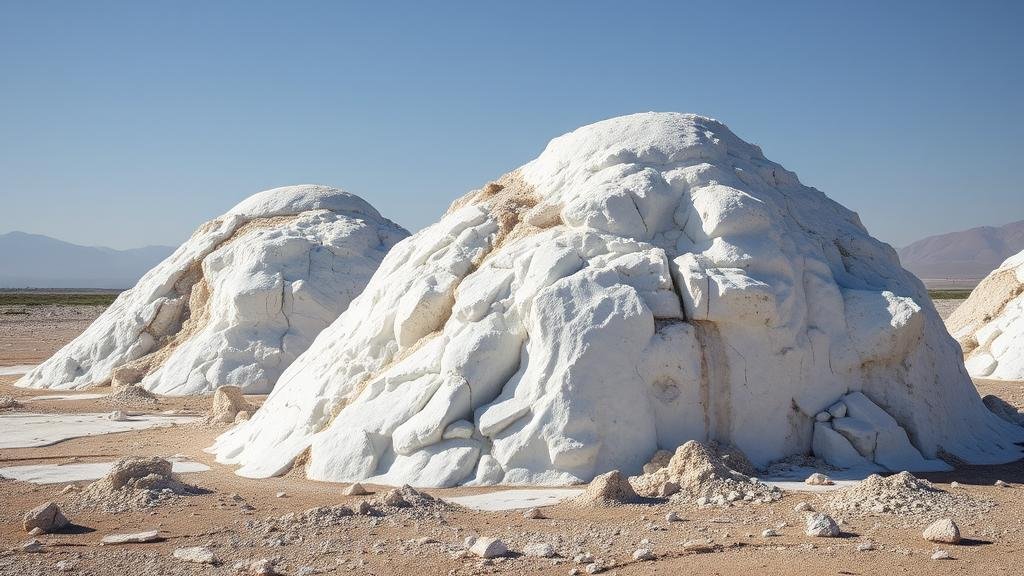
[237, 302]
[648, 280]
[990, 324]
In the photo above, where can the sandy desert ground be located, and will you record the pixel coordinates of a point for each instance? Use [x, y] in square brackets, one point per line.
[244, 521]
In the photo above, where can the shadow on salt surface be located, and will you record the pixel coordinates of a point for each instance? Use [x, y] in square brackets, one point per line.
[16, 370]
[516, 498]
[60, 473]
[792, 480]
[27, 430]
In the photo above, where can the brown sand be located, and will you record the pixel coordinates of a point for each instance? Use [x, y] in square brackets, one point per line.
[232, 519]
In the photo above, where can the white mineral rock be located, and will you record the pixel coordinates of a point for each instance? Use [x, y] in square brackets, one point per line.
[237, 302]
[944, 531]
[488, 547]
[821, 525]
[647, 280]
[990, 324]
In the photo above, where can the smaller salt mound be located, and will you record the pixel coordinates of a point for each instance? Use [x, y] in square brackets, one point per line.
[697, 472]
[130, 396]
[608, 489]
[901, 494]
[133, 483]
[989, 325]
[235, 304]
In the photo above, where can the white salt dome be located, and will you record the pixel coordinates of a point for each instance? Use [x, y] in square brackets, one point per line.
[237, 302]
[990, 324]
[648, 280]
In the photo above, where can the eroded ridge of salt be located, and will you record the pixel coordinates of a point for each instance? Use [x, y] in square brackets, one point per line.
[990, 324]
[647, 280]
[237, 302]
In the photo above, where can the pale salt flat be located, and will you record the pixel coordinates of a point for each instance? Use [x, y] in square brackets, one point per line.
[515, 499]
[793, 480]
[65, 397]
[27, 430]
[59, 473]
[16, 370]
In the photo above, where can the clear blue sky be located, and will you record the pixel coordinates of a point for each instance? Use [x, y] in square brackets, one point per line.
[128, 123]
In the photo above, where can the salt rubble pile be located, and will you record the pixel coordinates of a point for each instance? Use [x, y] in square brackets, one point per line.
[904, 495]
[647, 280]
[235, 304]
[133, 483]
[990, 324]
[696, 474]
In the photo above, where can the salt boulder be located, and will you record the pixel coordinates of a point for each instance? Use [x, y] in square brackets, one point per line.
[235, 304]
[990, 324]
[647, 280]
[228, 402]
[44, 518]
[944, 531]
[608, 489]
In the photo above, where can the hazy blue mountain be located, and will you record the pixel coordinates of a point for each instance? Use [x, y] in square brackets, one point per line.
[37, 261]
[966, 254]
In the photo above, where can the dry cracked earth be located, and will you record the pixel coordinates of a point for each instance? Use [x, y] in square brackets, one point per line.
[261, 526]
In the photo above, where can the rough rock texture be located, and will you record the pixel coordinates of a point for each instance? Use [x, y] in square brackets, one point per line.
[132, 483]
[610, 488]
[648, 280]
[46, 518]
[821, 526]
[228, 401]
[901, 494]
[990, 324]
[944, 531]
[697, 472]
[236, 303]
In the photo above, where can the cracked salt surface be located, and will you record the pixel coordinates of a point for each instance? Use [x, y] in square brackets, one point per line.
[16, 370]
[28, 430]
[59, 473]
[515, 499]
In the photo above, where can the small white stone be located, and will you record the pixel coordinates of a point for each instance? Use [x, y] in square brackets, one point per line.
[865, 546]
[281, 495]
[32, 546]
[941, 555]
[954, 484]
[1002, 484]
[944, 531]
[196, 554]
[818, 479]
[643, 554]
[821, 526]
[534, 514]
[673, 517]
[769, 533]
[485, 547]
[118, 416]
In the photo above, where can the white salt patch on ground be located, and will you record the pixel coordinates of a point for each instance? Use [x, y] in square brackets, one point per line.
[16, 370]
[792, 480]
[515, 499]
[27, 430]
[57, 473]
[63, 397]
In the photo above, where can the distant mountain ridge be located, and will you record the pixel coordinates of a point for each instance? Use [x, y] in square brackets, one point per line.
[965, 254]
[38, 261]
